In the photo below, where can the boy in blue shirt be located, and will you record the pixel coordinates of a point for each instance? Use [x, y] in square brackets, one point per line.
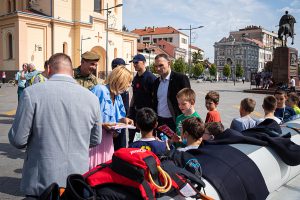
[282, 111]
[146, 121]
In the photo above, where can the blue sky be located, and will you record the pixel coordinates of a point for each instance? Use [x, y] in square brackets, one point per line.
[217, 16]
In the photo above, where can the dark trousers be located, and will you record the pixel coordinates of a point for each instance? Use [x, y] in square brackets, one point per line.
[167, 121]
[120, 140]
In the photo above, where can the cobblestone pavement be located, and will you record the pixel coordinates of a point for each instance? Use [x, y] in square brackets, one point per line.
[11, 159]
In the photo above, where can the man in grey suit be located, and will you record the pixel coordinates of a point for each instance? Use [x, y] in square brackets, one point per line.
[57, 122]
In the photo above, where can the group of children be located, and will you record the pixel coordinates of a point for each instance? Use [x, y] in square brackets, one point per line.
[191, 130]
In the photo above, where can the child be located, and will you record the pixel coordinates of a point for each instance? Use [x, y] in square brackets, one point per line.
[282, 111]
[186, 102]
[146, 121]
[245, 121]
[211, 103]
[212, 130]
[293, 101]
[192, 132]
[269, 106]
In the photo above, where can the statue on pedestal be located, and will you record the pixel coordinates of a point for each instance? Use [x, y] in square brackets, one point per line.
[286, 28]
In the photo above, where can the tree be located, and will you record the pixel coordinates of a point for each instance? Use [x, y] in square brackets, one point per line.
[198, 69]
[152, 68]
[213, 70]
[226, 70]
[196, 57]
[179, 65]
[239, 71]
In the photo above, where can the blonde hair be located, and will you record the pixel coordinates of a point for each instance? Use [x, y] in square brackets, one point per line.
[119, 79]
[187, 94]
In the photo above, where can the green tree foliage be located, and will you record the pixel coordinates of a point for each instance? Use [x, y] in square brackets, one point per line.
[179, 65]
[198, 69]
[226, 70]
[213, 70]
[239, 70]
[152, 69]
[196, 57]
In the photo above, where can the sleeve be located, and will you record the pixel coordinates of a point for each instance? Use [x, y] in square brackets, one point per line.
[233, 124]
[208, 118]
[22, 126]
[186, 82]
[17, 76]
[96, 133]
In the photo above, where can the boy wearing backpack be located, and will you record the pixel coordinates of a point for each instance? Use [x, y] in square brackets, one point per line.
[146, 121]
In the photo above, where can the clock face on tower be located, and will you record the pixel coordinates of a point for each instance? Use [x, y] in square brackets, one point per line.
[293, 60]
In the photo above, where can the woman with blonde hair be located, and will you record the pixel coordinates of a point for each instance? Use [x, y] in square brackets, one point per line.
[112, 110]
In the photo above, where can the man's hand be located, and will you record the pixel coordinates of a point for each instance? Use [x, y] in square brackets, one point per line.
[126, 120]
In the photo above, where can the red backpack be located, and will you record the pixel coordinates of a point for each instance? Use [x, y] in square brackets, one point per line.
[133, 167]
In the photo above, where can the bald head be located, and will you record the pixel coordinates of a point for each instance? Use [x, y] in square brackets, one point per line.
[60, 63]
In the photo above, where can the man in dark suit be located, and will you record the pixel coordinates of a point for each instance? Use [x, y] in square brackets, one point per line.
[165, 90]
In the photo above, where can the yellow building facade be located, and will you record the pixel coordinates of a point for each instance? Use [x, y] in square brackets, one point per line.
[33, 30]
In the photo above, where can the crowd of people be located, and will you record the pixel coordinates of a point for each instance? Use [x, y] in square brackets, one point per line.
[64, 115]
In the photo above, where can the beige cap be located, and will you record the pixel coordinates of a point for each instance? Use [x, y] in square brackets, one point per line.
[90, 56]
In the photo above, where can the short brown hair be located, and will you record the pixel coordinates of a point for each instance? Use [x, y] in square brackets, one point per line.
[293, 97]
[119, 79]
[269, 103]
[213, 95]
[194, 127]
[280, 92]
[187, 94]
[248, 104]
[214, 128]
[162, 55]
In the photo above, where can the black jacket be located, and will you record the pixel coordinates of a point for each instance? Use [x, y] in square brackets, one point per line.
[177, 82]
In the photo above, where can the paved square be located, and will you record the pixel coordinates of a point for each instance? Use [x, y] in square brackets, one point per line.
[11, 159]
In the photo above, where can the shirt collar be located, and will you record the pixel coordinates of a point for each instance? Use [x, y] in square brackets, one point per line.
[167, 77]
[60, 75]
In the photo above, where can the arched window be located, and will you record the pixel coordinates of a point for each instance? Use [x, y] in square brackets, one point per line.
[98, 6]
[65, 48]
[8, 6]
[9, 46]
[14, 5]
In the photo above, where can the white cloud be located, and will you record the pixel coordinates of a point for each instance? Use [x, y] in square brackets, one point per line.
[218, 17]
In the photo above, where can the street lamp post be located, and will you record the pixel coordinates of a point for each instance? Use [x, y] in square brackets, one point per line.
[81, 43]
[106, 53]
[190, 29]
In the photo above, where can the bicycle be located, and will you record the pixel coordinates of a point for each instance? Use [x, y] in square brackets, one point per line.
[10, 83]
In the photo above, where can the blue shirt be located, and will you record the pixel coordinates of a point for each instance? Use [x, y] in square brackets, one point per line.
[284, 113]
[242, 123]
[162, 98]
[111, 112]
[21, 83]
[150, 144]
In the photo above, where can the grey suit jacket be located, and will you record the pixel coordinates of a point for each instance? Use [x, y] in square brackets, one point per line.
[57, 121]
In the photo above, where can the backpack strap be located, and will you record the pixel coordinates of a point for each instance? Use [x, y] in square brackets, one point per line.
[152, 165]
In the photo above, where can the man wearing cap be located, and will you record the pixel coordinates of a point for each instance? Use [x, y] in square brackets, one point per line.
[84, 74]
[141, 87]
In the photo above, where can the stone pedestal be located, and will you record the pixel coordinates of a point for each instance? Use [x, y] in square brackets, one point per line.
[285, 65]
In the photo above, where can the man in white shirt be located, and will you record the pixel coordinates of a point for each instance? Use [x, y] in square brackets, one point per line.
[293, 84]
[165, 90]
